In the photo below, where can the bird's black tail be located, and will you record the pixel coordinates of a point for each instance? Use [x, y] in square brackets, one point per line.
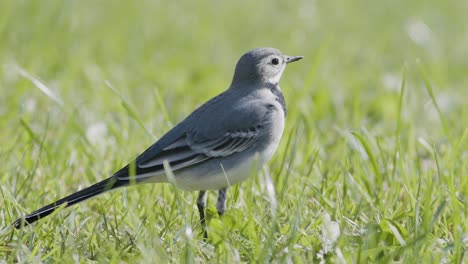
[93, 190]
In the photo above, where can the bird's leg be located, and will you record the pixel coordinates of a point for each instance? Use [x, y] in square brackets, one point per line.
[201, 204]
[221, 204]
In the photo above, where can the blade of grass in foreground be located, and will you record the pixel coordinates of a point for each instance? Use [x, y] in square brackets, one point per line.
[41, 86]
[430, 90]
[371, 156]
[162, 106]
[398, 124]
[40, 142]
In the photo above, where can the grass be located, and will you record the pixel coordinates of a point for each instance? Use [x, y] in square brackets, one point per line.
[372, 167]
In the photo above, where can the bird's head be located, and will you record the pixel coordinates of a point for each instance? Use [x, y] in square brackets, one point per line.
[261, 65]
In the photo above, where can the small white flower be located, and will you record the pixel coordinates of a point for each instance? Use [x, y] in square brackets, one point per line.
[330, 234]
[97, 133]
[391, 81]
[419, 32]
[29, 105]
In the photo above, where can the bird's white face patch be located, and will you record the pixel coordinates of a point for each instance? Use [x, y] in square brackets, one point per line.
[271, 68]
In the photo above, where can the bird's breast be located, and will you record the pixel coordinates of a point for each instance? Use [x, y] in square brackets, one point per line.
[274, 133]
[274, 123]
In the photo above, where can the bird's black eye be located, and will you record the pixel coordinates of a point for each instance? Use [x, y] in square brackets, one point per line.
[275, 61]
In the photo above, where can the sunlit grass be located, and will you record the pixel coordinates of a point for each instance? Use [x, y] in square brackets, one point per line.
[372, 167]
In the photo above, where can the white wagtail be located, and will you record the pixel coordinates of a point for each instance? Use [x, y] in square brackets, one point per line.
[215, 146]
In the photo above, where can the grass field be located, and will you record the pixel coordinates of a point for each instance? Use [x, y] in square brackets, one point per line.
[372, 167]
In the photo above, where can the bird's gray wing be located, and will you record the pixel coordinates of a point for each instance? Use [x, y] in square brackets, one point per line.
[216, 134]
[188, 150]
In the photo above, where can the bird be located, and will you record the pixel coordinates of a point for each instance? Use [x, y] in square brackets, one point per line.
[214, 147]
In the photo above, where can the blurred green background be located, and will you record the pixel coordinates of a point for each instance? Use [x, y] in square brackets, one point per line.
[63, 127]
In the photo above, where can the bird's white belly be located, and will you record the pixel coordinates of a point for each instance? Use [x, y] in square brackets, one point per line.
[215, 179]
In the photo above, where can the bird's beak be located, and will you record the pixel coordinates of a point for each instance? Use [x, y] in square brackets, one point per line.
[290, 59]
